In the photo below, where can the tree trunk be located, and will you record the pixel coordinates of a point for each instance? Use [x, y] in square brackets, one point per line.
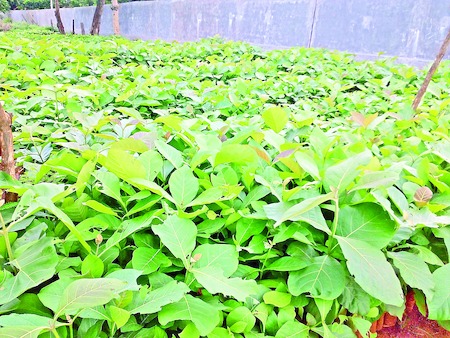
[7, 150]
[59, 23]
[115, 16]
[433, 68]
[95, 28]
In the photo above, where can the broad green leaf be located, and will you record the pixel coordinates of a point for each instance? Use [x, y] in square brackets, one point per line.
[377, 179]
[371, 270]
[323, 277]
[92, 267]
[246, 228]
[275, 118]
[23, 325]
[209, 196]
[240, 320]
[355, 299]
[439, 304]
[295, 213]
[183, 186]
[127, 228]
[204, 316]
[414, 271]
[149, 260]
[129, 112]
[223, 256]
[51, 294]
[293, 329]
[152, 162]
[84, 176]
[178, 235]
[288, 263]
[236, 153]
[119, 316]
[213, 280]
[366, 222]
[35, 265]
[339, 176]
[170, 153]
[110, 185]
[144, 184]
[124, 165]
[308, 164]
[101, 208]
[86, 293]
[277, 298]
[153, 302]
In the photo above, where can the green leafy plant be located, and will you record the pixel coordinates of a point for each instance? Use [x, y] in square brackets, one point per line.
[212, 189]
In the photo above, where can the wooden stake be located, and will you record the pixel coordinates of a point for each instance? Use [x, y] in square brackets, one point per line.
[432, 70]
[7, 150]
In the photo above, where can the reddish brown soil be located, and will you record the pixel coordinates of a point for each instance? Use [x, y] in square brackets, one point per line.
[413, 324]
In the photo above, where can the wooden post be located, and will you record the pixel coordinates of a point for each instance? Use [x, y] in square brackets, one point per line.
[115, 16]
[430, 73]
[59, 23]
[7, 150]
[95, 27]
[73, 26]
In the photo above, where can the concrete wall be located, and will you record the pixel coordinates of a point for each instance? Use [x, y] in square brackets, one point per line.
[410, 29]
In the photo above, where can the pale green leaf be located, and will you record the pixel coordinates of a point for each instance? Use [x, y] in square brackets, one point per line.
[204, 316]
[275, 118]
[86, 293]
[213, 280]
[414, 271]
[223, 256]
[439, 304]
[366, 222]
[124, 165]
[293, 329]
[35, 265]
[371, 270]
[323, 277]
[183, 186]
[170, 153]
[235, 153]
[153, 302]
[101, 208]
[178, 235]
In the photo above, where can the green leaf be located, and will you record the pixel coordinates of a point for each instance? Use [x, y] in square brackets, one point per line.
[288, 263]
[366, 222]
[275, 118]
[110, 185]
[439, 304]
[293, 329]
[153, 302]
[84, 176]
[204, 316]
[149, 260]
[127, 228]
[240, 320]
[323, 278]
[209, 196]
[223, 256]
[178, 235]
[119, 316]
[170, 153]
[371, 270]
[35, 265]
[183, 186]
[414, 271]
[101, 208]
[213, 280]
[23, 325]
[355, 299]
[235, 153]
[92, 266]
[277, 298]
[246, 228]
[295, 213]
[124, 165]
[339, 176]
[87, 293]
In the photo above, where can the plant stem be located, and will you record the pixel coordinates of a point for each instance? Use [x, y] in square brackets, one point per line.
[7, 242]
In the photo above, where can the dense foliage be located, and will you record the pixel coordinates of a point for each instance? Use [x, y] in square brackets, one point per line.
[213, 189]
[45, 4]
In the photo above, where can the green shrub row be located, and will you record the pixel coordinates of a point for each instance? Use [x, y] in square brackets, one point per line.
[6, 5]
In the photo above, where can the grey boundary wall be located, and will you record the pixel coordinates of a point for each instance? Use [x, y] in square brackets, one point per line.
[412, 30]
